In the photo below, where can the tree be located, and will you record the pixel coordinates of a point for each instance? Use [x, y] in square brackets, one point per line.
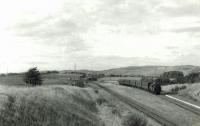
[33, 77]
[193, 77]
[178, 76]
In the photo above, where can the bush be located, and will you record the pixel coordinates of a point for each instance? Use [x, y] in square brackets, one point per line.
[51, 112]
[183, 87]
[96, 91]
[135, 120]
[172, 77]
[79, 83]
[116, 112]
[175, 90]
[101, 100]
[192, 77]
[33, 77]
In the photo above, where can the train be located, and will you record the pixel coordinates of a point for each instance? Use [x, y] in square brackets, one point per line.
[151, 84]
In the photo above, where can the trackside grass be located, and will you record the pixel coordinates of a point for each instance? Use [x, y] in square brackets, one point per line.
[135, 120]
[48, 106]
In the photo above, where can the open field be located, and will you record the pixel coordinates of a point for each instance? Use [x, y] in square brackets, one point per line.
[166, 109]
[49, 79]
[114, 78]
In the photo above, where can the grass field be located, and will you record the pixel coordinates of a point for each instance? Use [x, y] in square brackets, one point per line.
[48, 79]
[115, 78]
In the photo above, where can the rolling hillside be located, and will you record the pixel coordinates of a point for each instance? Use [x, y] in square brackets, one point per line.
[151, 70]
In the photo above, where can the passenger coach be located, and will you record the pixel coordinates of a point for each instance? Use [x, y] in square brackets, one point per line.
[151, 84]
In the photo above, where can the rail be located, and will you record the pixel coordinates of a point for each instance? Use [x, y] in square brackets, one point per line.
[140, 107]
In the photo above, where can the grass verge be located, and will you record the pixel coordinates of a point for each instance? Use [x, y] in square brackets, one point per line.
[48, 106]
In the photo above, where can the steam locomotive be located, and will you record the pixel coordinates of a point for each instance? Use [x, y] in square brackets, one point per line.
[151, 84]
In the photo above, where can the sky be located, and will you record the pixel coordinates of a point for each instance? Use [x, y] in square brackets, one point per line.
[98, 34]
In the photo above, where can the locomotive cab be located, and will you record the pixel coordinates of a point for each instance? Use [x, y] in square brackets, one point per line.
[157, 89]
[157, 86]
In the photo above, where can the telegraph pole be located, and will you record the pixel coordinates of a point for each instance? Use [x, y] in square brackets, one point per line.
[74, 66]
[7, 70]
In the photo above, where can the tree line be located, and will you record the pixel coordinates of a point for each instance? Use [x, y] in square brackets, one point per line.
[173, 77]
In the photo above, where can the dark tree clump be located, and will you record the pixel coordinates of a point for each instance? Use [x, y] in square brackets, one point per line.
[33, 77]
[193, 77]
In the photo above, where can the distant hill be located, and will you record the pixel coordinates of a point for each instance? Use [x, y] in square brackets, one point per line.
[151, 70]
[80, 71]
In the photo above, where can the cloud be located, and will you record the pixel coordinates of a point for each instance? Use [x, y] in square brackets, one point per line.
[90, 32]
[37, 63]
[171, 47]
[53, 31]
[47, 28]
[195, 29]
[181, 9]
[190, 58]
[76, 45]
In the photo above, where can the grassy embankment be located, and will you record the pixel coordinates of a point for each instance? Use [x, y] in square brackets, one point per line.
[53, 104]
[191, 92]
[47, 106]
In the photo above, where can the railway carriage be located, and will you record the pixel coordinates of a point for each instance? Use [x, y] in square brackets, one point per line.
[151, 84]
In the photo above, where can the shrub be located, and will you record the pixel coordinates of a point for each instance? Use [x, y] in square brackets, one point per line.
[8, 113]
[135, 120]
[79, 83]
[177, 76]
[192, 77]
[96, 91]
[183, 87]
[101, 100]
[33, 77]
[115, 111]
[175, 90]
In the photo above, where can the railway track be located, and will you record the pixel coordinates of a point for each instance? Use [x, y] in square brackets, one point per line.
[140, 107]
[182, 105]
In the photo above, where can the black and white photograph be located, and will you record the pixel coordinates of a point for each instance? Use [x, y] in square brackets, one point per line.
[99, 62]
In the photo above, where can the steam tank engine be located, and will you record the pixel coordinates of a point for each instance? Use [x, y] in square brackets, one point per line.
[150, 84]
